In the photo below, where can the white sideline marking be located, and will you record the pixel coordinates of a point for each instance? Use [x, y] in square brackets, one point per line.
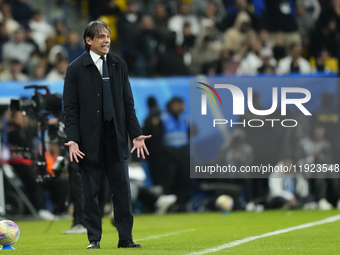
[165, 235]
[277, 232]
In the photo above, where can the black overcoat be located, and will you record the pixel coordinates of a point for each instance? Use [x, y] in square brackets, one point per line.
[83, 105]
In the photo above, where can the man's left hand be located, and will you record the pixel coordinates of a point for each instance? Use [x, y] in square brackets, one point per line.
[138, 143]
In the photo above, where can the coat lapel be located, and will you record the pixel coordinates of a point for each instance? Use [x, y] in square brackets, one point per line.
[114, 72]
[88, 63]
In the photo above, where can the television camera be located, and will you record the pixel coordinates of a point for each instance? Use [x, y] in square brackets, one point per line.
[41, 107]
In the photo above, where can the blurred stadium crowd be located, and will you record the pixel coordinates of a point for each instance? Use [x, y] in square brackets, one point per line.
[174, 38]
[167, 38]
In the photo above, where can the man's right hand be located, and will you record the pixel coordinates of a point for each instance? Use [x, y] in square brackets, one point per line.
[74, 151]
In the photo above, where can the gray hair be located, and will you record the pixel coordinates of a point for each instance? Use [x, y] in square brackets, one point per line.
[92, 29]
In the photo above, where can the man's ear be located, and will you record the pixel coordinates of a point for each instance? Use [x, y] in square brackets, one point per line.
[88, 40]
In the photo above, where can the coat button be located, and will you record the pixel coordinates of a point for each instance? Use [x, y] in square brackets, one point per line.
[98, 94]
[97, 128]
[97, 111]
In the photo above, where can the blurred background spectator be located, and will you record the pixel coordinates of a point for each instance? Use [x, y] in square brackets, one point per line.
[4, 37]
[149, 41]
[41, 30]
[21, 10]
[184, 16]
[10, 24]
[17, 48]
[13, 72]
[203, 52]
[128, 29]
[141, 34]
[73, 45]
[294, 63]
[171, 61]
[280, 16]
[287, 192]
[235, 9]
[59, 71]
[238, 37]
[161, 17]
[212, 9]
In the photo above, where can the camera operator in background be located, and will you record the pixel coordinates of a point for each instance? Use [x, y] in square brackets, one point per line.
[67, 174]
[57, 183]
[35, 152]
[20, 142]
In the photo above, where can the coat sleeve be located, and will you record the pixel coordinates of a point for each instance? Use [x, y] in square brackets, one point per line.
[133, 128]
[71, 105]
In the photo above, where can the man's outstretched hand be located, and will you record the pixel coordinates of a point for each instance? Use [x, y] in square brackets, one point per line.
[138, 143]
[74, 151]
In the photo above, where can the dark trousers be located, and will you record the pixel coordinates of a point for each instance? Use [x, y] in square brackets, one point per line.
[118, 179]
[75, 193]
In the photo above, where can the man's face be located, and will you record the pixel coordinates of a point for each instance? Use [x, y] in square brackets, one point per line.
[319, 133]
[147, 23]
[177, 108]
[160, 11]
[37, 17]
[245, 27]
[62, 67]
[241, 4]
[15, 68]
[211, 10]
[73, 38]
[336, 3]
[295, 52]
[100, 44]
[186, 30]
[263, 35]
[18, 36]
[184, 9]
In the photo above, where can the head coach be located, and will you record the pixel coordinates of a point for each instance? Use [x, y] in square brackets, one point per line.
[99, 117]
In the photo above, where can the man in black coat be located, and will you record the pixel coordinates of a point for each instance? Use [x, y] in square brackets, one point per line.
[99, 117]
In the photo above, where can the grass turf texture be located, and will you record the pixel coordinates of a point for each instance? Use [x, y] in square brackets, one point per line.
[200, 231]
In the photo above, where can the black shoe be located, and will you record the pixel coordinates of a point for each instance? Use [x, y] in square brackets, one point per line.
[128, 244]
[94, 245]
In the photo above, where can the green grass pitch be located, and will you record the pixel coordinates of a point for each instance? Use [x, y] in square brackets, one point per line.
[187, 233]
